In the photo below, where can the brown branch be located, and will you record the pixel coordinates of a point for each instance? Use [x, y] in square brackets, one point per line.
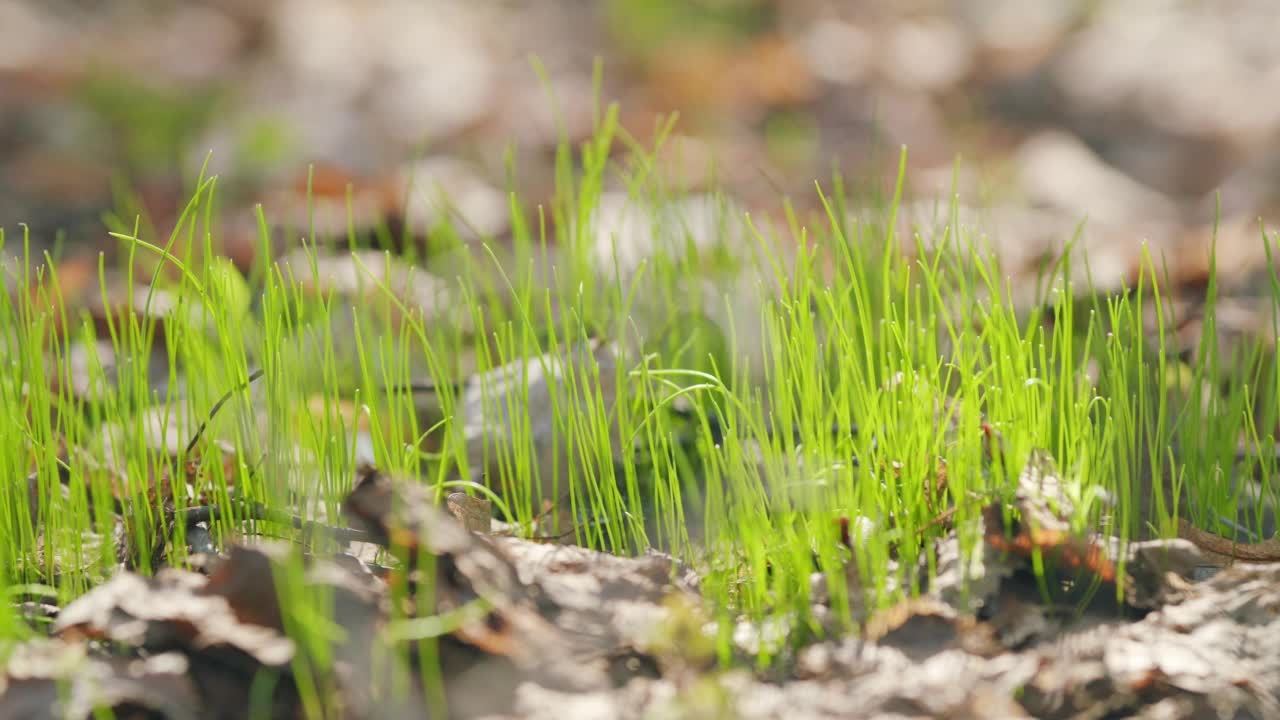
[1265, 551]
[258, 511]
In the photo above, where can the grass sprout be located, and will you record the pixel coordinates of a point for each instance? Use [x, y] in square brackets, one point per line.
[766, 383]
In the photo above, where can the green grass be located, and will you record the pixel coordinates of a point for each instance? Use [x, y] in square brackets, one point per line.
[729, 442]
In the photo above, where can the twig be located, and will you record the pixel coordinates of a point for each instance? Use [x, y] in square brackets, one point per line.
[195, 439]
[422, 387]
[1266, 551]
[938, 519]
[258, 511]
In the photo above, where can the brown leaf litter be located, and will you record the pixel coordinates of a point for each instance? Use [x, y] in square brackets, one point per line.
[548, 630]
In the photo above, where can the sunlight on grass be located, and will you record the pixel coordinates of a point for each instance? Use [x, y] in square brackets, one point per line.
[868, 387]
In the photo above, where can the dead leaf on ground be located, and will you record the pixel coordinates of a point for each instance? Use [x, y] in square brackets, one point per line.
[1043, 527]
[171, 611]
[53, 679]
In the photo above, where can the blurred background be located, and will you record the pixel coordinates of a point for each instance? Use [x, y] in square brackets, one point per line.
[1144, 118]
